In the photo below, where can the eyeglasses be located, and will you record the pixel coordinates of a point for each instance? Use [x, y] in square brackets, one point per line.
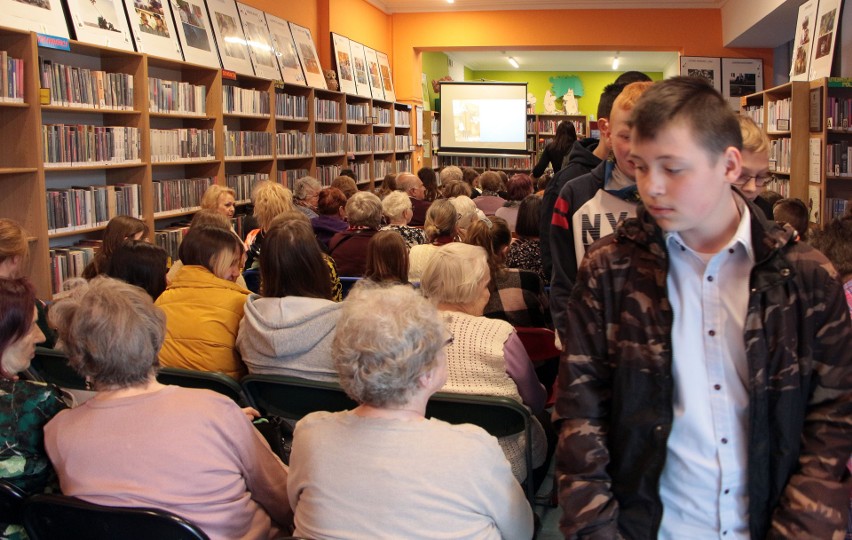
[449, 341]
[759, 180]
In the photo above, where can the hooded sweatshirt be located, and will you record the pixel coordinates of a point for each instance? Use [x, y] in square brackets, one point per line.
[289, 336]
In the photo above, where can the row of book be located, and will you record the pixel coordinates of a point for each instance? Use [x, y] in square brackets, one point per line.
[403, 164]
[11, 78]
[330, 143]
[243, 184]
[327, 173]
[248, 143]
[383, 116]
[182, 144]
[326, 110]
[403, 143]
[837, 207]
[170, 238]
[780, 155]
[382, 168]
[382, 142]
[289, 177]
[778, 110]
[294, 143]
[291, 107]
[839, 112]
[357, 143]
[482, 162]
[755, 112]
[358, 113]
[69, 262]
[403, 118]
[81, 208]
[361, 169]
[780, 185]
[73, 86]
[177, 97]
[236, 100]
[182, 194]
[837, 159]
[68, 145]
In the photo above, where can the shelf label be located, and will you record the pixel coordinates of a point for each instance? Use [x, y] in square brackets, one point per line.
[228, 74]
[53, 42]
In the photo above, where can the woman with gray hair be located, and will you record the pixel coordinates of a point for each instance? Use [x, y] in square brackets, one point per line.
[306, 194]
[138, 443]
[348, 469]
[398, 211]
[349, 248]
[486, 357]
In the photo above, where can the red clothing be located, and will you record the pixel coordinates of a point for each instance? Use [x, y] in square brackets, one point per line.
[349, 251]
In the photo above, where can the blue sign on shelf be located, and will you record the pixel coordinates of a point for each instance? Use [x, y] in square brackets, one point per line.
[53, 42]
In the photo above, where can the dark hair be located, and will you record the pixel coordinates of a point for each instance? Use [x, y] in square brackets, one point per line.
[119, 229]
[430, 182]
[329, 201]
[469, 175]
[566, 134]
[346, 184]
[17, 300]
[456, 188]
[707, 115]
[610, 92]
[203, 246]
[387, 258]
[631, 77]
[291, 262]
[210, 218]
[529, 214]
[835, 242]
[142, 264]
[492, 238]
[792, 211]
[520, 185]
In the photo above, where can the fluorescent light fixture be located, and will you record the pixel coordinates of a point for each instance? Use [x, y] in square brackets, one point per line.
[451, 1]
[513, 62]
[615, 61]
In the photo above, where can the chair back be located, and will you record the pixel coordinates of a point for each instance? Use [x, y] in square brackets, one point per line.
[11, 502]
[58, 517]
[252, 279]
[51, 366]
[347, 282]
[292, 397]
[540, 343]
[208, 380]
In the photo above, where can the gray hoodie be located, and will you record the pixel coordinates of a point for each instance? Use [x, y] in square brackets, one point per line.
[289, 336]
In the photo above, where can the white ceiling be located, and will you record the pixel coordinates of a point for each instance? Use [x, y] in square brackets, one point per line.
[416, 6]
[564, 60]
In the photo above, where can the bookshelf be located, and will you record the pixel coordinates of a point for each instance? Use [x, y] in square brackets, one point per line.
[154, 144]
[431, 137]
[403, 140]
[831, 102]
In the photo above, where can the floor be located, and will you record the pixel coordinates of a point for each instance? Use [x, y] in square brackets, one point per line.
[549, 516]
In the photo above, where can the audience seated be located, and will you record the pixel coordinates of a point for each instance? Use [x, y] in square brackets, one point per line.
[398, 211]
[471, 178]
[142, 264]
[525, 252]
[270, 199]
[519, 186]
[455, 188]
[204, 218]
[288, 330]
[382, 470]
[490, 200]
[138, 443]
[430, 182]
[486, 356]
[440, 229]
[203, 305]
[517, 296]
[346, 184]
[449, 174]
[412, 186]
[331, 210]
[221, 199]
[336, 287]
[119, 229]
[305, 195]
[795, 212]
[387, 259]
[349, 247]
[467, 213]
[388, 186]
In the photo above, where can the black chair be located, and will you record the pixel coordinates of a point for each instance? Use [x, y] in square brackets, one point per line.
[57, 517]
[190, 378]
[347, 282]
[252, 279]
[292, 397]
[51, 366]
[11, 502]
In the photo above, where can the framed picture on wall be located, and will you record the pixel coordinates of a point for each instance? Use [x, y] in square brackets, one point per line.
[359, 63]
[153, 28]
[803, 41]
[703, 67]
[822, 52]
[285, 50]
[343, 63]
[230, 39]
[259, 43]
[195, 32]
[387, 79]
[373, 73]
[308, 56]
[101, 22]
[42, 16]
[741, 77]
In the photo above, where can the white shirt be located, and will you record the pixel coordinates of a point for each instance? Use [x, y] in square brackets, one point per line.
[704, 484]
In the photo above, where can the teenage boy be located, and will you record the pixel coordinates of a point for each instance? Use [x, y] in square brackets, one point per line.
[706, 390]
[589, 207]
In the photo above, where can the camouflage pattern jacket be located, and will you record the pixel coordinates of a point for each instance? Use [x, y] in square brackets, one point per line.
[615, 405]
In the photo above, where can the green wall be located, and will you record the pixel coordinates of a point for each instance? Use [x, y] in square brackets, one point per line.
[435, 67]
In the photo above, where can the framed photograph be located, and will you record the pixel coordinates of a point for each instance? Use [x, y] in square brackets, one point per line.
[703, 67]
[741, 77]
[359, 63]
[42, 16]
[374, 75]
[101, 22]
[308, 56]
[815, 105]
[153, 28]
[230, 38]
[387, 79]
[195, 32]
[259, 43]
[803, 41]
[343, 63]
[285, 50]
[822, 52]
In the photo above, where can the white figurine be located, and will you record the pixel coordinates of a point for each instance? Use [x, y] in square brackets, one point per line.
[549, 102]
[531, 101]
[569, 103]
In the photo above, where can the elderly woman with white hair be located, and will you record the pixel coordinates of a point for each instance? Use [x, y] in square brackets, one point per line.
[140, 443]
[306, 195]
[486, 357]
[349, 248]
[398, 211]
[382, 469]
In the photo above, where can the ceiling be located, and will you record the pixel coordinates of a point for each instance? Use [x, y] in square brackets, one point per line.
[564, 60]
[415, 6]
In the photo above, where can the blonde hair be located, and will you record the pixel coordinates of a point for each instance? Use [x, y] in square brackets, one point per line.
[441, 219]
[270, 199]
[13, 240]
[628, 97]
[451, 174]
[454, 273]
[210, 200]
[754, 139]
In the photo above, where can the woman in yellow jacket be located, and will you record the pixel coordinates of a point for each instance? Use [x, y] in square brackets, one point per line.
[204, 306]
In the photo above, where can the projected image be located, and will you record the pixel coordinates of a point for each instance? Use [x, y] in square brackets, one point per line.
[466, 121]
[485, 121]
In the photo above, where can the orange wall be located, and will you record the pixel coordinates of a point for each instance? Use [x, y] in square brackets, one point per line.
[303, 13]
[692, 32]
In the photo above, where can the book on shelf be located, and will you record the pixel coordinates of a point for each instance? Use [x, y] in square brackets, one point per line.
[291, 107]
[403, 164]
[289, 177]
[248, 143]
[755, 113]
[361, 170]
[177, 97]
[74, 86]
[382, 142]
[357, 113]
[403, 118]
[382, 116]
[12, 79]
[837, 159]
[839, 113]
[170, 238]
[183, 144]
[780, 155]
[82, 208]
[243, 184]
[359, 144]
[837, 207]
[294, 143]
[182, 194]
[327, 173]
[779, 110]
[68, 145]
[236, 100]
[327, 110]
[402, 143]
[330, 143]
[522, 163]
[69, 262]
[381, 168]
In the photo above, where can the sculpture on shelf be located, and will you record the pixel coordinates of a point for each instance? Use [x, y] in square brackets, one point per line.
[549, 102]
[331, 80]
[569, 103]
[531, 101]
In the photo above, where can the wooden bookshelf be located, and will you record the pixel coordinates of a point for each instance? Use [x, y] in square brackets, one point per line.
[831, 102]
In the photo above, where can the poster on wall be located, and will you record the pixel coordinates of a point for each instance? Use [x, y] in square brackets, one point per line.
[259, 43]
[703, 67]
[230, 38]
[101, 22]
[822, 52]
[803, 41]
[153, 28]
[43, 16]
[359, 65]
[308, 56]
[387, 80]
[195, 33]
[373, 73]
[285, 50]
[741, 77]
[343, 63]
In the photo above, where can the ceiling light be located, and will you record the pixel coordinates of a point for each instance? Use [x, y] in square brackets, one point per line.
[513, 62]
[615, 61]
[451, 1]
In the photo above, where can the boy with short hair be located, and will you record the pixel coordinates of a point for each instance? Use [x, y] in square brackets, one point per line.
[706, 389]
[755, 174]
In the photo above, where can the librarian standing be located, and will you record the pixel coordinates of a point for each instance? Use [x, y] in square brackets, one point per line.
[556, 150]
